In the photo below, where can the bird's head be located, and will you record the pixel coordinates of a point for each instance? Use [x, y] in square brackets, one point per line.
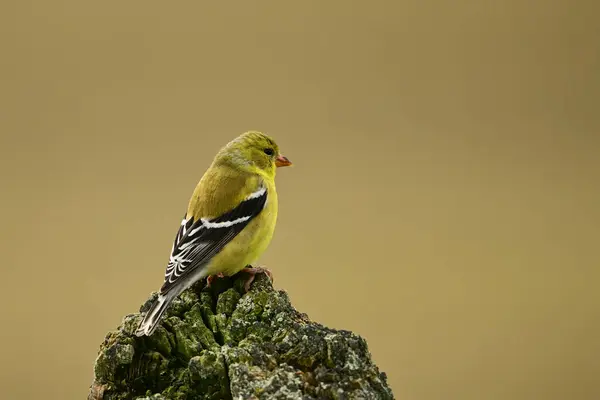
[253, 152]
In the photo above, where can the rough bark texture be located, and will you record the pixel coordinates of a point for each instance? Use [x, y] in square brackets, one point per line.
[219, 344]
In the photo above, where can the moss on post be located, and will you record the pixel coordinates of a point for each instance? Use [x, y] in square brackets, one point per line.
[219, 343]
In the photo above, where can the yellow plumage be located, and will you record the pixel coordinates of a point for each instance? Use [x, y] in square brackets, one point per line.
[229, 222]
[220, 190]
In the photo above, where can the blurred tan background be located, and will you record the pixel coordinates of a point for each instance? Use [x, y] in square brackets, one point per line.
[445, 202]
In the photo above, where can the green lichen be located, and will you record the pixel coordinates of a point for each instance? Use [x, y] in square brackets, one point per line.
[161, 341]
[227, 302]
[208, 374]
[222, 343]
[206, 309]
[153, 397]
[187, 341]
[193, 318]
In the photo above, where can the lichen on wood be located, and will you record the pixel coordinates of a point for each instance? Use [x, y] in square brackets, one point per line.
[221, 343]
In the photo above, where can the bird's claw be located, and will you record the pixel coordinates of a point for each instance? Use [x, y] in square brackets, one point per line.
[253, 271]
[210, 278]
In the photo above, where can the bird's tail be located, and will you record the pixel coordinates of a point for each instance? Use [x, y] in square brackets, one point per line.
[152, 317]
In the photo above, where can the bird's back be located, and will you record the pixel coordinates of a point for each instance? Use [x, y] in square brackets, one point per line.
[220, 190]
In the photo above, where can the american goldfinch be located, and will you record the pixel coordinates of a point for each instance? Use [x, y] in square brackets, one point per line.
[229, 221]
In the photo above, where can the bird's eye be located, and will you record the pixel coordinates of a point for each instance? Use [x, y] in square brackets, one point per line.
[268, 152]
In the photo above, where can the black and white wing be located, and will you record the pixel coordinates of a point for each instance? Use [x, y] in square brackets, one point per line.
[198, 241]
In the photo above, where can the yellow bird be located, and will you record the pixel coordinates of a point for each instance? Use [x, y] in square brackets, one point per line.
[229, 221]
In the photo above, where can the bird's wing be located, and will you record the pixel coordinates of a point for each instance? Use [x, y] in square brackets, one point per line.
[198, 241]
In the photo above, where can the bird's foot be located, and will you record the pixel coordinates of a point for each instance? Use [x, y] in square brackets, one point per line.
[253, 271]
[210, 278]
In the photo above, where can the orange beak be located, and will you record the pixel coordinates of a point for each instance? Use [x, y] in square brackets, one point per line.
[282, 161]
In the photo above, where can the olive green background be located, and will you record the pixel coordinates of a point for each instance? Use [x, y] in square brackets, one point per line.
[444, 203]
